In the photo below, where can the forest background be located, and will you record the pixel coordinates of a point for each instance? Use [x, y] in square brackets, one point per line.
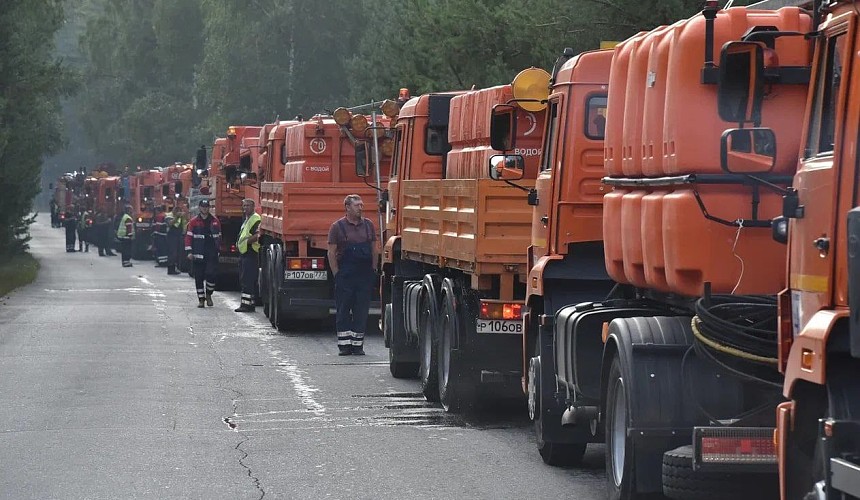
[145, 82]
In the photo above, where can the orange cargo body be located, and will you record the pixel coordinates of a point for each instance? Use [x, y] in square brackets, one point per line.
[666, 243]
[468, 221]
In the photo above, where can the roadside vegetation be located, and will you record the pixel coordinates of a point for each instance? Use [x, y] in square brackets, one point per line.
[17, 271]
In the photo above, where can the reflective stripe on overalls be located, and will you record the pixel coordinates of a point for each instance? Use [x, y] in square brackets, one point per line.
[352, 290]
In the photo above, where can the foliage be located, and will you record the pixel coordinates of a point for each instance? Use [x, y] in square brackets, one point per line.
[17, 271]
[163, 76]
[31, 83]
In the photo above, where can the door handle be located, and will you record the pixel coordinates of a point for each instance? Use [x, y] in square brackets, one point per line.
[544, 220]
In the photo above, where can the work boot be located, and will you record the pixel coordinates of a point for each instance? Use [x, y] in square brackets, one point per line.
[202, 303]
[344, 350]
[209, 300]
[357, 350]
[172, 270]
[244, 308]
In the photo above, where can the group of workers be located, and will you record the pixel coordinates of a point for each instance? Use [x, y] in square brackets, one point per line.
[352, 255]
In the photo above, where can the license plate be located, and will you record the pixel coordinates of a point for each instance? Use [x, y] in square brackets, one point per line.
[228, 260]
[499, 326]
[306, 275]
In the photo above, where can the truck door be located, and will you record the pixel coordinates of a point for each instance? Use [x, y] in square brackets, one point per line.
[813, 235]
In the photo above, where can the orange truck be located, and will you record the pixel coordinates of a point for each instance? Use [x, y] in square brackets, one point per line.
[565, 255]
[143, 198]
[818, 429]
[309, 168]
[675, 368]
[229, 181]
[454, 261]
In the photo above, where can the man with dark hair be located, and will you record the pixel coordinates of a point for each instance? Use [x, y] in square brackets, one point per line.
[202, 241]
[125, 235]
[249, 248]
[353, 258]
[159, 237]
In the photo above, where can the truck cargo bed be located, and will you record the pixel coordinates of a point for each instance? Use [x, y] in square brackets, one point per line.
[293, 211]
[479, 226]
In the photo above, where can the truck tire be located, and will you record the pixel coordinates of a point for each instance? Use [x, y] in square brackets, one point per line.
[398, 368]
[275, 293]
[428, 367]
[619, 456]
[265, 279]
[452, 380]
[555, 454]
[681, 482]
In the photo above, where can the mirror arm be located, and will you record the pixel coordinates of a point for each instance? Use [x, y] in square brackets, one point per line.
[769, 185]
[509, 183]
[370, 185]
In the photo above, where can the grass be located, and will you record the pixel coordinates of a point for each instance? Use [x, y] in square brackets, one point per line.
[17, 271]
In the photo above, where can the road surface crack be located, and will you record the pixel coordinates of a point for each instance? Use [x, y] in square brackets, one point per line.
[250, 472]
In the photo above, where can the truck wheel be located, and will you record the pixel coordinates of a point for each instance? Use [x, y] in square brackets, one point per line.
[265, 280]
[428, 370]
[680, 482]
[274, 294]
[450, 375]
[619, 456]
[555, 454]
[398, 368]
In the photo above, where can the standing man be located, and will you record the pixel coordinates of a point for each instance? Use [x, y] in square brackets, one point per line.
[84, 224]
[202, 242]
[125, 235]
[159, 237]
[172, 220]
[71, 225]
[249, 248]
[353, 258]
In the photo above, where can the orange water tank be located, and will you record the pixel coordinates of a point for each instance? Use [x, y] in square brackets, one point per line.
[469, 134]
[655, 100]
[634, 105]
[613, 142]
[612, 235]
[692, 126]
[748, 261]
[653, 257]
[631, 236]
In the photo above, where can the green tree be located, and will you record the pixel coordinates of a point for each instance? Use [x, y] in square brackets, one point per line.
[31, 83]
[138, 99]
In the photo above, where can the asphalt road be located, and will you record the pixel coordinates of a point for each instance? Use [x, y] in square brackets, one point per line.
[115, 385]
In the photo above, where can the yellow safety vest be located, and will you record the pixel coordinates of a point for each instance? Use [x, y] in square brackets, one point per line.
[245, 233]
[121, 231]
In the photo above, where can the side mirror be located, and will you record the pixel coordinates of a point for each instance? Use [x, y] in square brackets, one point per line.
[361, 160]
[741, 82]
[245, 163]
[748, 150]
[503, 127]
[177, 187]
[165, 190]
[507, 167]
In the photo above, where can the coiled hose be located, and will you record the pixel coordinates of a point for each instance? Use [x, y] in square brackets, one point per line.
[739, 333]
